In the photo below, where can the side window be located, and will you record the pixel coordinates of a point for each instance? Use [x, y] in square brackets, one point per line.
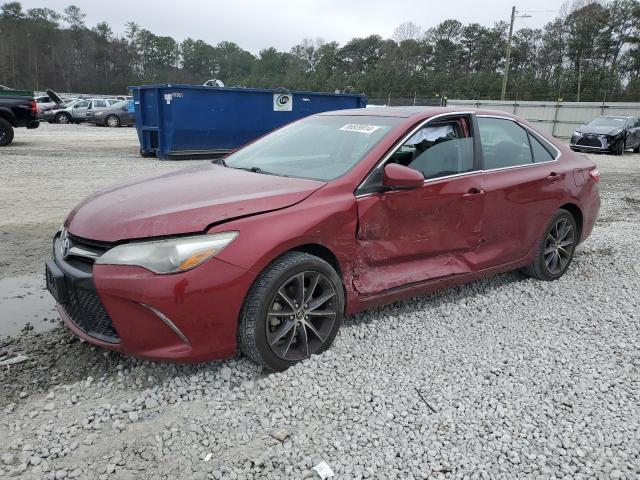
[540, 153]
[99, 104]
[438, 150]
[84, 104]
[504, 143]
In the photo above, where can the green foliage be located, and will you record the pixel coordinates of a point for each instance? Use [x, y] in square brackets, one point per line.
[594, 48]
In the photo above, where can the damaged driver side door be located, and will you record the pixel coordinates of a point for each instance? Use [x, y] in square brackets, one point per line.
[431, 232]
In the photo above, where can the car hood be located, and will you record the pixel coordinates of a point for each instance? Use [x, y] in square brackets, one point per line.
[599, 130]
[182, 201]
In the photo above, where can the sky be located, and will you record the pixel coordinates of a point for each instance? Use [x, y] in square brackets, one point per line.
[259, 24]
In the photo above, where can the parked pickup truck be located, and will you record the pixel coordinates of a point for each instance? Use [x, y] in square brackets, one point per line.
[17, 109]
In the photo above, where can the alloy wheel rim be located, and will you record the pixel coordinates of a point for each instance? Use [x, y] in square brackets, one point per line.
[3, 134]
[63, 119]
[301, 316]
[112, 122]
[559, 246]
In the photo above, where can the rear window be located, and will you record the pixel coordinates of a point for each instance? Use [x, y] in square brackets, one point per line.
[540, 153]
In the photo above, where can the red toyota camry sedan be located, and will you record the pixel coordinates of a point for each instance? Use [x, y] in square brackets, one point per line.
[268, 249]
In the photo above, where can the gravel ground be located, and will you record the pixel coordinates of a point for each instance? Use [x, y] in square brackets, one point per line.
[503, 378]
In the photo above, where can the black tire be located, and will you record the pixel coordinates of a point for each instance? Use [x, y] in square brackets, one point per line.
[146, 154]
[540, 267]
[6, 133]
[619, 148]
[63, 118]
[256, 330]
[112, 121]
[637, 149]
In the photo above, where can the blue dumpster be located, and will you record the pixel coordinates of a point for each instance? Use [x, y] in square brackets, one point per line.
[187, 121]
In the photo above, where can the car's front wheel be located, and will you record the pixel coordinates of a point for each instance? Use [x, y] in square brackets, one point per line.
[112, 121]
[293, 310]
[63, 118]
[555, 249]
[619, 147]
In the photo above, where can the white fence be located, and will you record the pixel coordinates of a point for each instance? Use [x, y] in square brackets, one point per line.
[557, 118]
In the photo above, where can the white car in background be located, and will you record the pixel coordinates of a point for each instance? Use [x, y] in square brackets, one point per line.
[76, 112]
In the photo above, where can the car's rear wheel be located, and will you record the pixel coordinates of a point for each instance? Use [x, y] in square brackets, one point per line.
[6, 133]
[637, 149]
[555, 249]
[293, 310]
[112, 121]
[63, 118]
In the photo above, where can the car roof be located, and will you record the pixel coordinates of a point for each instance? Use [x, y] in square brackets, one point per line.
[403, 112]
[419, 112]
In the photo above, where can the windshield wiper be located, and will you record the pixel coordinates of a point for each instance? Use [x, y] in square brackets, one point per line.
[257, 170]
[220, 161]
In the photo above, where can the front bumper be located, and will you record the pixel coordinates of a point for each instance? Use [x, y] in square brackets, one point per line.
[186, 317]
[593, 143]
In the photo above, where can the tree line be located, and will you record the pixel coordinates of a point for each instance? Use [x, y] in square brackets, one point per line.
[589, 52]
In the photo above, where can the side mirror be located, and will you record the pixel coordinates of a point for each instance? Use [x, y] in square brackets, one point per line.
[402, 178]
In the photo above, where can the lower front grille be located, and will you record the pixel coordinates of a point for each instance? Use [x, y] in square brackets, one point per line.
[589, 142]
[87, 312]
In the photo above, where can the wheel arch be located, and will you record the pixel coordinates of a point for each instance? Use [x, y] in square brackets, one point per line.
[322, 252]
[8, 116]
[575, 211]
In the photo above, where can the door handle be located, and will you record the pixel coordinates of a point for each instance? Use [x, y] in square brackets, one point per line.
[473, 193]
[553, 177]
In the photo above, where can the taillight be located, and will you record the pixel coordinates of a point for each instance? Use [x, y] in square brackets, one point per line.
[594, 174]
[34, 108]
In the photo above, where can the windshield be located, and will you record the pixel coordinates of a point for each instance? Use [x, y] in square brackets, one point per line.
[608, 122]
[318, 148]
[119, 104]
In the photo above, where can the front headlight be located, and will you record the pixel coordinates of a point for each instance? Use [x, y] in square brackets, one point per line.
[168, 256]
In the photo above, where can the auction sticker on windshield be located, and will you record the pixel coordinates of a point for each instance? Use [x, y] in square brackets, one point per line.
[356, 127]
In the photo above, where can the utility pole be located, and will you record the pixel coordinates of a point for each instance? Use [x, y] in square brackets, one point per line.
[506, 67]
[579, 78]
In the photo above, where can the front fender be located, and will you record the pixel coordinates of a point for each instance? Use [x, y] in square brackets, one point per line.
[326, 219]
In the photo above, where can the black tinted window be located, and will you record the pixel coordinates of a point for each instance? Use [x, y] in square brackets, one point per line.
[438, 150]
[540, 153]
[504, 143]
